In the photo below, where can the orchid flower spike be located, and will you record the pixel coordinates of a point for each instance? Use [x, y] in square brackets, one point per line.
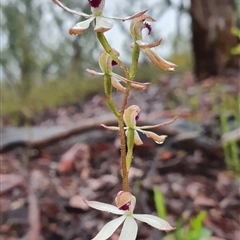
[102, 24]
[137, 25]
[130, 117]
[106, 64]
[125, 202]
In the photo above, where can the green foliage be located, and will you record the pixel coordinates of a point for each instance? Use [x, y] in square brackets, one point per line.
[194, 231]
[44, 95]
[159, 202]
[184, 61]
[230, 148]
[236, 32]
[225, 106]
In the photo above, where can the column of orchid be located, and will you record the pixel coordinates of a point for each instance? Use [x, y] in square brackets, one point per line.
[127, 117]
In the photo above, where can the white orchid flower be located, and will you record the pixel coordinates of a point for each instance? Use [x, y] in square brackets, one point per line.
[102, 24]
[130, 117]
[125, 202]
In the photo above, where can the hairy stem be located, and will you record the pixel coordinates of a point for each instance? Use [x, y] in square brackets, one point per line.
[126, 158]
[109, 50]
[130, 143]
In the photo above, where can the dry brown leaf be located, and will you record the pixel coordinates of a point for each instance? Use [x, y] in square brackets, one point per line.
[9, 181]
[205, 201]
[33, 218]
[67, 160]
[77, 202]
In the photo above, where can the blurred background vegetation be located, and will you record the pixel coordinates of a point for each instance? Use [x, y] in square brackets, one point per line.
[42, 66]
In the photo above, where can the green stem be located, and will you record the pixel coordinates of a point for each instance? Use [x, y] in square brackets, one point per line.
[130, 145]
[134, 65]
[108, 91]
[133, 70]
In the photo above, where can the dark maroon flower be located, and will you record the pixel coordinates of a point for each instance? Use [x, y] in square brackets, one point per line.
[94, 3]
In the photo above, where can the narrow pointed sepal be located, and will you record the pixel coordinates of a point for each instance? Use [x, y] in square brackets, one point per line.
[104, 207]
[154, 221]
[109, 228]
[110, 127]
[160, 124]
[157, 138]
[129, 230]
[94, 73]
[70, 10]
[155, 58]
[130, 17]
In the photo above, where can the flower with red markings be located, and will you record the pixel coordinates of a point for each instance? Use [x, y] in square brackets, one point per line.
[130, 117]
[125, 202]
[106, 65]
[94, 3]
[137, 25]
[102, 24]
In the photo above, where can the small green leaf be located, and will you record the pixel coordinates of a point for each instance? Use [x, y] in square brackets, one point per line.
[159, 202]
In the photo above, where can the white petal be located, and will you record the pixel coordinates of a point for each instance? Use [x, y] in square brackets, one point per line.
[109, 228]
[154, 221]
[104, 207]
[129, 230]
[102, 24]
[80, 27]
